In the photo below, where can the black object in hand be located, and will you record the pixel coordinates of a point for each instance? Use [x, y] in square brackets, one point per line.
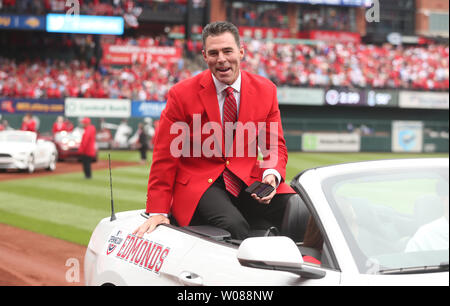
[260, 189]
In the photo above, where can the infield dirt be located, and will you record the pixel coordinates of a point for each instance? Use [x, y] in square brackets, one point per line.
[31, 259]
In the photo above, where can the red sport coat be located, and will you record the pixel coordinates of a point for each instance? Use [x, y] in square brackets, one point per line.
[176, 183]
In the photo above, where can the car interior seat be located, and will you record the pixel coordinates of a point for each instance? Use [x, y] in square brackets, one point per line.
[295, 219]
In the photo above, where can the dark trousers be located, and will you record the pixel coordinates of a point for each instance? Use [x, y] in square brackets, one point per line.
[219, 208]
[143, 152]
[86, 161]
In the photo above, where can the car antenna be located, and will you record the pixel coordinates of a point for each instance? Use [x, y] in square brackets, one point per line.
[113, 215]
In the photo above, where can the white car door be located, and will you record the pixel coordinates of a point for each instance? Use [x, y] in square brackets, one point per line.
[116, 256]
[216, 264]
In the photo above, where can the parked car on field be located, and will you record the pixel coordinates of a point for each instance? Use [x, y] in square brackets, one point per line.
[378, 223]
[67, 144]
[23, 150]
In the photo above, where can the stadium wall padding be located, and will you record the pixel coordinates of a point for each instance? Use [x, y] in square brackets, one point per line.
[373, 124]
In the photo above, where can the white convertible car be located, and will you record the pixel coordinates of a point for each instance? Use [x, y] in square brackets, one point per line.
[365, 223]
[24, 151]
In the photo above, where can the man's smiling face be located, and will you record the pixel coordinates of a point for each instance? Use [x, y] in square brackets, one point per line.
[223, 56]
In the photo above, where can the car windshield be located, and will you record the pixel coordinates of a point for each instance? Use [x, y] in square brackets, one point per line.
[393, 219]
[16, 137]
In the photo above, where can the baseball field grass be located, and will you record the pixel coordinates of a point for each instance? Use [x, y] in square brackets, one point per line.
[67, 206]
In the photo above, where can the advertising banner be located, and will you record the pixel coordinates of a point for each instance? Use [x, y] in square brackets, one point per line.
[300, 96]
[84, 24]
[418, 99]
[127, 55]
[22, 22]
[407, 136]
[345, 97]
[151, 109]
[97, 108]
[331, 142]
[34, 106]
[382, 98]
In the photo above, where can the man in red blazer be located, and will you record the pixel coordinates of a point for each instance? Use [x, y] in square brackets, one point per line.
[196, 175]
[87, 149]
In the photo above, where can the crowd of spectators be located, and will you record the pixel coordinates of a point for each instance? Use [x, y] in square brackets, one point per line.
[258, 15]
[321, 65]
[143, 41]
[351, 65]
[58, 79]
[310, 17]
[326, 18]
[92, 7]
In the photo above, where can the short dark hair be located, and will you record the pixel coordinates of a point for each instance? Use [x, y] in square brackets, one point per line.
[218, 28]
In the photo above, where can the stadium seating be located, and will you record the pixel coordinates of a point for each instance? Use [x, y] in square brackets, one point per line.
[351, 65]
[321, 65]
[89, 7]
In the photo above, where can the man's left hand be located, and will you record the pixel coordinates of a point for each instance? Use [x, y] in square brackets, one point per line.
[271, 180]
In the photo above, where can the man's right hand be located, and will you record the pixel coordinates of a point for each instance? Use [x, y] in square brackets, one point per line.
[150, 224]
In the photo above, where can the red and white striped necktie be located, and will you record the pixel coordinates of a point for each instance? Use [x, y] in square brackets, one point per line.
[232, 183]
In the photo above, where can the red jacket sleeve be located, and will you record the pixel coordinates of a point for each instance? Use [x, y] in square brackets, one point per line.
[164, 165]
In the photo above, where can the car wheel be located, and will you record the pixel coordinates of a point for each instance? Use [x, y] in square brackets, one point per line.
[31, 165]
[52, 163]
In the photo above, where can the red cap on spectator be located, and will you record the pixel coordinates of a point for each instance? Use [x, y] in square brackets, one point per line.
[86, 120]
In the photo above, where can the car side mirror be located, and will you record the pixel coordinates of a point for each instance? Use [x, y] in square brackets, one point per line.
[275, 253]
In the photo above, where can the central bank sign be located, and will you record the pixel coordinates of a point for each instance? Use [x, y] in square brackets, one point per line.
[97, 108]
[331, 142]
[300, 96]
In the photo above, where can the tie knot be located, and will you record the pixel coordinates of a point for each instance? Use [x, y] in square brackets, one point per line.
[229, 90]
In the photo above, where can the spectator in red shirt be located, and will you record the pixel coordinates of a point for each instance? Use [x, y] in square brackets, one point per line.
[28, 123]
[87, 149]
[68, 126]
[59, 125]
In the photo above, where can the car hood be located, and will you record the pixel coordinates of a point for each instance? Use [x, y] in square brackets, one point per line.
[16, 147]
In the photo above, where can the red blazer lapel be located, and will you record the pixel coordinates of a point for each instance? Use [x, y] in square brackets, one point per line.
[208, 97]
[249, 100]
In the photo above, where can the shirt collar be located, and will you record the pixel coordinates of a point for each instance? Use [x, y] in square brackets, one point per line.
[220, 87]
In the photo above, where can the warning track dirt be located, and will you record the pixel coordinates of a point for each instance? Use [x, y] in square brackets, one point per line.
[31, 259]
